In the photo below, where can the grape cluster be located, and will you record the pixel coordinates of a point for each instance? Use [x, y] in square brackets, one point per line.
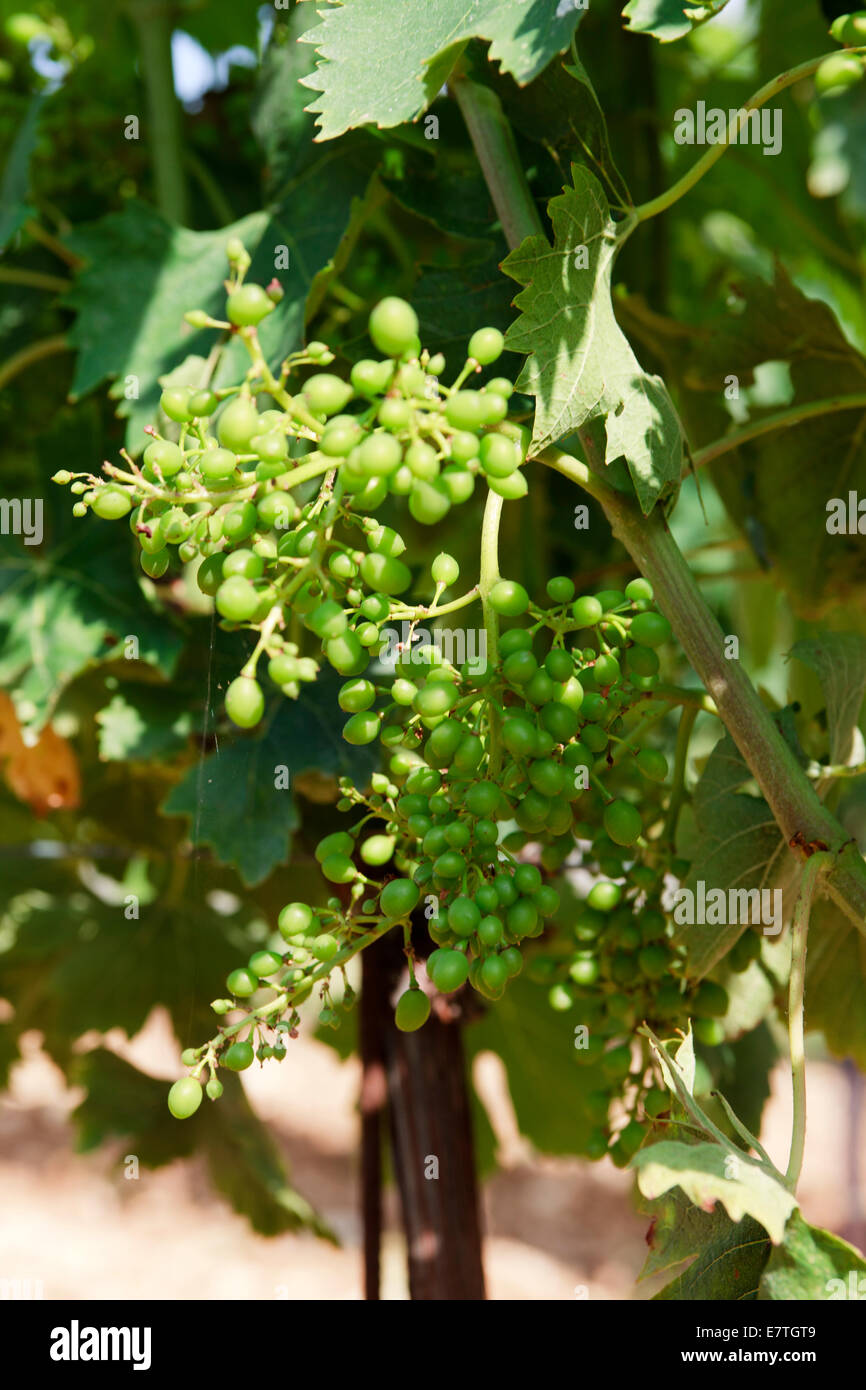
[496, 773]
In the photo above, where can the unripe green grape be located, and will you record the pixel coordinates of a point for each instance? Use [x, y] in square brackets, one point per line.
[399, 897]
[654, 961]
[362, 728]
[429, 502]
[272, 448]
[642, 661]
[245, 703]
[501, 386]
[215, 465]
[328, 619]
[62, 476]
[448, 971]
[111, 503]
[393, 326]
[295, 920]
[345, 652]
[466, 410]
[486, 345]
[587, 611]
[517, 639]
[499, 455]
[622, 822]
[242, 983]
[584, 971]
[385, 573]
[238, 1057]
[356, 695]
[459, 483]
[463, 917]
[175, 526]
[370, 378]
[464, 446]
[709, 1031]
[837, 73]
[377, 849]
[512, 488]
[451, 864]
[325, 947]
[412, 1011]
[508, 598]
[338, 868]
[652, 764]
[560, 589]
[394, 413]
[214, 1089]
[238, 425]
[174, 402]
[445, 570]
[209, 574]
[650, 629]
[236, 599]
[264, 963]
[245, 563]
[521, 917]
[155, 563]
[326, 394]
[247, 305]
[163, 455]
[185, 1097]
[711, 1000]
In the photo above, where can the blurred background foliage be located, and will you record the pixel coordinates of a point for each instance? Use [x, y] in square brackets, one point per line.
[121, 782]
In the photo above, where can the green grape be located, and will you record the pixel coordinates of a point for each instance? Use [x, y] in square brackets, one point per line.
[435, 698]
[412, 1011]
[631, 1138]
[340, 437]
[215, 465]
[422, 461]
[324, 947]
[238, 424]
[445, 570]
[559, 664]
[486, 345]
[586, 611]
[239, 522]
[450, 864]
[264, 963]
[652, 764]
[429, 502]
[494, 974]
[185, 1097]
[650, 629]
[639, 589]
[711, 1000]
[654, 961]
[155, 563]
[521, 918]
[327, 620]
[345, 652]
[584, 970]
[165, 457]
[214, 1089]
[399, 897]
[370, 378]
[448, 971]
[362, 728]
[174, 402]
[746, 948]
[463, 917]
[512, 488]
[379, 455]
[508, 598]
[622, 822]
[385, 573]
[490, 931]
[245, 702]
[111, 503]
[527, 878]
[248, 305]
[483, 798]
[394, 414]
[393, 326]
[243, 562]
[709, 1031]
[238, 1057]
[642, 661]
[606, 670]
[338, 868]
[466, 410]
[378, 849]
[464, 446]
[340, 842]
[242, 983]
[202, 403]
[295, 920]
[356, 695]
[604, 897]
[837, 73]
[499, 455]
[326, 394]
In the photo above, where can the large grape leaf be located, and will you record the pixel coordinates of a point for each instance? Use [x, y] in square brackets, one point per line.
[812, 1265]
[142, 274]
[580, 366]
[236, 799]
[725, 1257]
[242, 1157]
[707, 1174]
[143, 721]
[416, 47]
[839, 658]
[537, 1049]
[15, 181]
[69, 605]
[737, 845]
[668, 20]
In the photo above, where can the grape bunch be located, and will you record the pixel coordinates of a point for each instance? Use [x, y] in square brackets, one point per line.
[497, 774]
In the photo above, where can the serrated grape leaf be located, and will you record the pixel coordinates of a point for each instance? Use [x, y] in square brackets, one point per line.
[839, 658]
[836, 981]
[416, 47]
[580, 366]
[726, 1258]
[235, 798]
[15, 182]
[67, 605]
[738, 846]
[242, 1157]
[143, 722]
[709, 1173]
[812, 1265]
[668, 20]
[142, 274]
[537, 1048]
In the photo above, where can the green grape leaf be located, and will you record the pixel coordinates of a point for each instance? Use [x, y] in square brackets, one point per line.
[725, 1257]
[142, 274]
[416, 48]
[537, 1049]
[236, 798]
[736, 847]
[143, 722]
[839, 658]
[242, 1157]
[668, 20]
[15, 180]
[67, 606]
[836, 981]
[812, 1265]
[580, 366]
[710, 1173]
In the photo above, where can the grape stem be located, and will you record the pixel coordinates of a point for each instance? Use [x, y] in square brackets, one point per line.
[678, 788]
[814, 868]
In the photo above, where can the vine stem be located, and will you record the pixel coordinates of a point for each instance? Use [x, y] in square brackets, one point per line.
[34, 279]
[790, 795]
[153, 24]
[493, 141]
[33, 352]
[764, 94]
[779, 421]
[814, 867]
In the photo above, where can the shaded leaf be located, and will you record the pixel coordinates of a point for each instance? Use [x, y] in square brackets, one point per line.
[726, 1258]
[15, 181]
[668, 20]
[836, 981]
[416, 48]
[580, 366]
[812, 1264]
[143, 722]
[839, 658]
